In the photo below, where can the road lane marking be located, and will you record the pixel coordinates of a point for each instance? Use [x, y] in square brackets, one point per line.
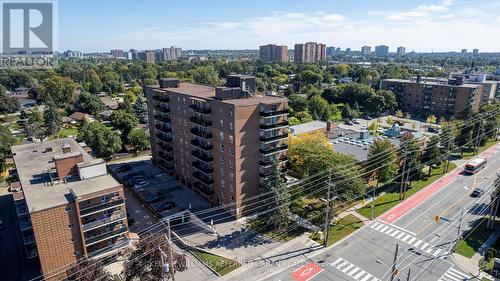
[454, 275]
[307, 272]
[352, 270]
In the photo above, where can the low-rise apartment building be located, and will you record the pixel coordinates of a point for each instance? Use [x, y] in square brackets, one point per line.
[69, 207]
[222, 142]
[441, 98]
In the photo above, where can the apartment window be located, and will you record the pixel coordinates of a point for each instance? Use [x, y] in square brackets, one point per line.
[230, 125]
[231, 187]
[221, 122]
[223, 183]
[221, 147]
[222, 160]
[231, 175]
[178, 99]
[185, 111]
[231, 139]
[221, 110]
[232, 198]
[231, 151]
[230, 112]
[184, 100]
[221, 135]
[222, 171]
[231, 163]
[68, 208]
[223, 195]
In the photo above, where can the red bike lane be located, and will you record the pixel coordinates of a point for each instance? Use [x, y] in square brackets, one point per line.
[403, 208]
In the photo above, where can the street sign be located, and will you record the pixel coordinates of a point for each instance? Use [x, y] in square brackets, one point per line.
[307, 272]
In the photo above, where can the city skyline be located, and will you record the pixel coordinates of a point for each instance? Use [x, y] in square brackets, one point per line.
[422, 26]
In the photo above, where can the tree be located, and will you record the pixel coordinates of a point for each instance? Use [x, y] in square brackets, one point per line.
[35, 123]
[293, 121]
[138, 139]
[205, 75]
[277, 201]
[431, 119]
[88, 270]
[112, 83]
[382, 157]
[52, 120]
[58, 90]
[140, 108]
[311, 77]
[357, 92]
[310, 154]
[124, 122]
[412, 149]
[320, 107]
[144, 262]
[347, 112]
[7, 104]
[6, 141]
[103, 141]
[94, 84]
[304, 116]
[89, 103]
[431, 154]
[297, 103]
[399, 114]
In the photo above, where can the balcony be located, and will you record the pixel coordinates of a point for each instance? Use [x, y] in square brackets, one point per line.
[203, 157]
[25, 224]
[200, 121]
[33, 253]
[161, 98]
[29, 239]
[113, 202]
[92, 239]
[163, 119]
[270, 162]
[163, 128]
[201, 134]
[267, 172]
[203, 168]
[164, 137]
[271, 113]
[204, 190]
[109, 249]
[203, 178]
[202, 145]
[268, 139]
[21, 209]
[166, 166]
[165, 147]
[276, 125]
[162, 109]
[116, 216]
[271, 150]
[199, 109]
[167, 157]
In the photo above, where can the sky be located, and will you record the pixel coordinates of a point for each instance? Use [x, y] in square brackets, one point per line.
[420, 25]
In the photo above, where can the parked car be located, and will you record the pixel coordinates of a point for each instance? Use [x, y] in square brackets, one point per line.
[478, 192]
[153, 198]
[347, 122]
[165, 206]
[432, 130]
[130, 176]
[124, 168]
[141, 184]
[355, 121]
[136, 180]
[366, 117]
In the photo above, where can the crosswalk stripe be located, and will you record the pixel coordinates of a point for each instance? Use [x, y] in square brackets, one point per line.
[395, 233]
[389, 231]
[374, 224]
[418, 243]
[352, 270]
[411, 240]
[400, 235]
[367, 277]
[349, 266]
[437, 252]
[406, 238]
[357, 276]
[334, 264]
[424, 246]
[383, 228]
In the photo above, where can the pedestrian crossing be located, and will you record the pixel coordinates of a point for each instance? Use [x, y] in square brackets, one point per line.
[408, 239]
[454, 275]
[352, 270]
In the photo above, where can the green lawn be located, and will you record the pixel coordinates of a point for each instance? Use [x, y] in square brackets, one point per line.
[474, 241]
[489, 143]
[341, 229]
[391, 199]
[219, 264]
[71, 131]
[263, 227]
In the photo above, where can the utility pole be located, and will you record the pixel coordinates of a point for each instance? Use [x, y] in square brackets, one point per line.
[373, 203]
[495, 204]
[405, 185]
[459, 232]
[408, 278]
[478, 137]
[328, 208]
[402, 175]
[394, 268]
[448, 146]
[171, 252]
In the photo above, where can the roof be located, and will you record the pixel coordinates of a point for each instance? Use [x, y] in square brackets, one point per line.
[431, 83]
[79, 116]
[109, 102]
[308, 127]
[35, 167]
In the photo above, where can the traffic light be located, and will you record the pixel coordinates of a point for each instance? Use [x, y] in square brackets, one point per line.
[436, 218]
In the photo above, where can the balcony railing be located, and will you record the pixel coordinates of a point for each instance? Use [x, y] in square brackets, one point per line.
[202, 168]
[117, 246]
[203, 178]
[162, 108]
[273, 138]
[163, 119]
[204, 190]
[113, 202]
[269, 113]
[267, 172]
[273, 149]
[201, 134]
[166, 166]
[202, 110]
[274, 125]
[167, 157]
[106, 235]
[120, 215]
[31, 253]
[165, 147]
[21, 209]
[203, 157]
[200, 121]
[269, 162]
[163, 128]
[202, 145]
[25, 224]
[29, 239]
[164, 137]
[161, 98]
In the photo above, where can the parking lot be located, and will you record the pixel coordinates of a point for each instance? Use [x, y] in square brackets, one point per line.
[161, 193]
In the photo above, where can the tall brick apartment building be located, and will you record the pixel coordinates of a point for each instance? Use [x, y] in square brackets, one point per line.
[222, 142]
[69, 207]
[449, 98]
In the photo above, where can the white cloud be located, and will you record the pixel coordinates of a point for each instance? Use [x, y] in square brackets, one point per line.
[420, 11]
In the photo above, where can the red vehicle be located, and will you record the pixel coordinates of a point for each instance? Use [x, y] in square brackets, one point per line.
[475, 165]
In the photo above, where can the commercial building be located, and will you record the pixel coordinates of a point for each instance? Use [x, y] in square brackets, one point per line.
[273, 53]
[69, 207]
[441, 98]
[221, 142]
[401, 51]
[309, 52]
[366, 50]
[117, 53]
[382, 51]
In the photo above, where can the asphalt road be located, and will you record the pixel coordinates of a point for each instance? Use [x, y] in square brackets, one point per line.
[424, 243]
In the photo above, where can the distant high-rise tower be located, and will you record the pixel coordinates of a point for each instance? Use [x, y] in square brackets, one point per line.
[274, 53]
[475, 52]
[330, 51]
[117, 53]
[348, 51]
[309, 52]
[382, 51]
[366, 50]
[464, 51]
[401, 51]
